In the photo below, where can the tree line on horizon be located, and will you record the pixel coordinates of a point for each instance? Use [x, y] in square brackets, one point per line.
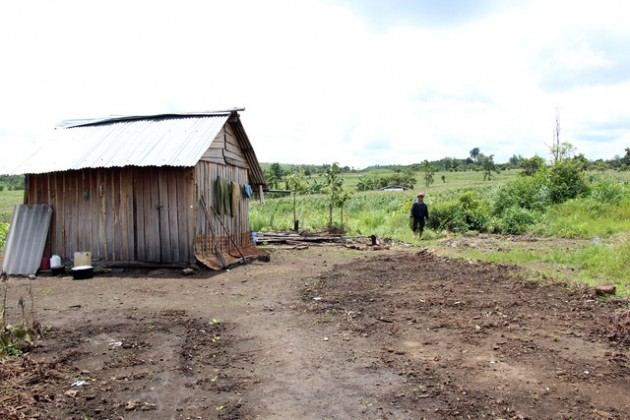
[404, 175]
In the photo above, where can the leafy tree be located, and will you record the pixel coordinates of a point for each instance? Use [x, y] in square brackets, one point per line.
[403, 178]
[474, 153]
[566, 181]
[601, 166]
[515, 160]
[314, 187]
[488, 166]
[270, 179]
[297, 184]
[429, 172]
[626, 159]
[333, 180]
[447, 163]
[532, 165]
[277, 171]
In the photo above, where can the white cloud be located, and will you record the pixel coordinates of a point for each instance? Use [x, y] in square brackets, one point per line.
[320, 82]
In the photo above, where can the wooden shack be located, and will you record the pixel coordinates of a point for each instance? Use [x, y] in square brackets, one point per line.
[148, 190]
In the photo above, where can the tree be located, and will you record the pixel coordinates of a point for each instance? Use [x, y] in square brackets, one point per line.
[334, 181]
[601, 166]
[474, 153]
[555, 147]
[297, 184]
[429, 171]
[277, 171]
[515, 160]
[488, 166]
[566, 181]
[532, 165]
[270, 179]
[447, 163]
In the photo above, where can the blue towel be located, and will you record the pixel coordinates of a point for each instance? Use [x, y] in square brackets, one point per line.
[247, 191]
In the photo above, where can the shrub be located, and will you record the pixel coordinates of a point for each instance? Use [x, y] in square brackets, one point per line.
[529, 192]
[607, 189]
[476, 213]
[515, 221]
[566, 181]
[449, 216]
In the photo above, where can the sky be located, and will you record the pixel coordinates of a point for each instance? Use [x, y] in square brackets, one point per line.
[359, 82]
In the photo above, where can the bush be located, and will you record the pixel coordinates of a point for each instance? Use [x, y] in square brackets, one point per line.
[449, 216]
[607, 189]
[476, 213]
[566, 181]
[531, 192]
[515, 221]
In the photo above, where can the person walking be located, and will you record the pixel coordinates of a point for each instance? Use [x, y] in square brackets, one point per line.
[419, 214]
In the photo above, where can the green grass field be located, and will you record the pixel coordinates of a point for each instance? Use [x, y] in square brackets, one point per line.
[604, 228]
[8, 200]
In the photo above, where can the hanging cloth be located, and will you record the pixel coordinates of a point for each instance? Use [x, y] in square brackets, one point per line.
[247, 191]
[222, 196]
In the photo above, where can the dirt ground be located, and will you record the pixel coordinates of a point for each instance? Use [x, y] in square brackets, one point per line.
[323, 332]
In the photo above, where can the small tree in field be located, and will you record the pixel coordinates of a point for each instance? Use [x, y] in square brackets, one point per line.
[488, 166]
[429, 172]
[333, 180]
[297, 184]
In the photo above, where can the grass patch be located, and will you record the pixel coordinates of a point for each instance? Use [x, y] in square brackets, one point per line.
[587, 262]
[8, 200]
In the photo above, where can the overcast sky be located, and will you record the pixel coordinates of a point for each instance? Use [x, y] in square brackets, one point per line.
[360, 82]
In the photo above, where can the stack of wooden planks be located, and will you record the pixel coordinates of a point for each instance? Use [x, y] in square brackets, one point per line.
[314, 239]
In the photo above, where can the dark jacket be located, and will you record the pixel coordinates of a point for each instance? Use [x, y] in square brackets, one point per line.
[419, 211]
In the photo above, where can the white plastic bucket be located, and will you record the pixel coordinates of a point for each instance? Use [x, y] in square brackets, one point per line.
[55, 261]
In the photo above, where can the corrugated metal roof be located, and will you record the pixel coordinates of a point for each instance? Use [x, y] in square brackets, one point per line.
[26, 239]
[159, 140]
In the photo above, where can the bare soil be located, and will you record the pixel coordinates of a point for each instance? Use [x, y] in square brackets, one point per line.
[316, 333]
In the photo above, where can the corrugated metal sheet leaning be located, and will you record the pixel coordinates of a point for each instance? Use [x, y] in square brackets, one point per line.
[26, 240]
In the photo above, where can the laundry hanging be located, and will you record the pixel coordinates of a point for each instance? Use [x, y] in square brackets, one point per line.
[222, 196]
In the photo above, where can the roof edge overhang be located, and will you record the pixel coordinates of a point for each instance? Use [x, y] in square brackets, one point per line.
[119, 118]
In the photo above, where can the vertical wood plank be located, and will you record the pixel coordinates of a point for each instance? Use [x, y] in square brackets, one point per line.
[162, 214]
[139, 194]
[171, 203]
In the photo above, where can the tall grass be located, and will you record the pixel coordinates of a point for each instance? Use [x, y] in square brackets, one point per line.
[509, 204]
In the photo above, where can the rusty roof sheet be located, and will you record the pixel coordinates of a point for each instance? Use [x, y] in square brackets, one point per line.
[26, 239]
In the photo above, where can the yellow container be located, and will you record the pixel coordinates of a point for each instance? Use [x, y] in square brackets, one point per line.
[82, 258]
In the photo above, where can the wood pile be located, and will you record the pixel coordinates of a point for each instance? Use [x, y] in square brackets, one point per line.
[305, 239]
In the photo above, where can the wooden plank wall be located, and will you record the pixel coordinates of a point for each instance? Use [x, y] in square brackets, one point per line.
[223, 226]
[119, 214]
[225, 149]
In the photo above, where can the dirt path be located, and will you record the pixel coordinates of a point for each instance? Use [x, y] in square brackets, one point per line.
[322, 333]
